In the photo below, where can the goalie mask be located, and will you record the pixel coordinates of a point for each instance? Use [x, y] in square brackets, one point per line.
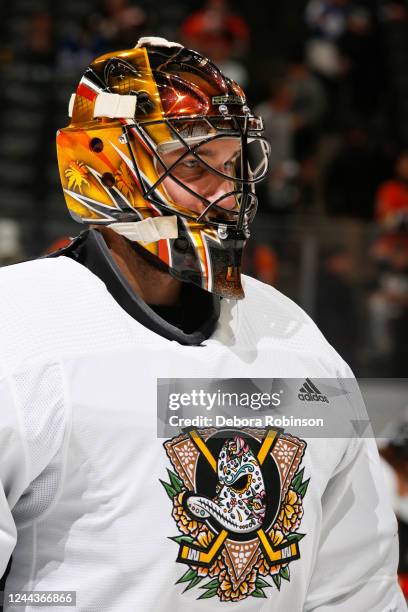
[162, 149]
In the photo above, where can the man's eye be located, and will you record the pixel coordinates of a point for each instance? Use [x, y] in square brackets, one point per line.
[231, 163]
[192, 163]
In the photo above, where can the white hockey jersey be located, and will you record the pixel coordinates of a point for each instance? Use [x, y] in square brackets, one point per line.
[91, 500]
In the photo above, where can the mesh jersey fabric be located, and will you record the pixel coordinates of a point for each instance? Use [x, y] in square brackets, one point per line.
[81, 505]
[39, 393]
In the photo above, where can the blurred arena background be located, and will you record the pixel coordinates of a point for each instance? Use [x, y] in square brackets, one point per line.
[330, 78]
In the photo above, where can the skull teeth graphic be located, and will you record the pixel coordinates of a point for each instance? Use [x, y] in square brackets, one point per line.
[240, 503]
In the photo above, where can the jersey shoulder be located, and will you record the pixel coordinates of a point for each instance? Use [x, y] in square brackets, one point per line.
[42, 268]
[268, 313]
[51, 307]
[34, 284]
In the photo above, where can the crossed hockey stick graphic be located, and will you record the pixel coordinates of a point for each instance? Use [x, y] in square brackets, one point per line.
[191, 553]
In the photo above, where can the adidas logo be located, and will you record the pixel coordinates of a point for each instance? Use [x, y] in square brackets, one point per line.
[308, 392]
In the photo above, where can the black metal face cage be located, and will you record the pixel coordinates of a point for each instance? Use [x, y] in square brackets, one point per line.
[243, 127]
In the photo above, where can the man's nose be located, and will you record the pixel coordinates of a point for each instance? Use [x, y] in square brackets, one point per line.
[218, 188]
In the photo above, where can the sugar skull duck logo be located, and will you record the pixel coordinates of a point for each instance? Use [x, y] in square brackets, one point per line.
[239, 505]
[238, 502]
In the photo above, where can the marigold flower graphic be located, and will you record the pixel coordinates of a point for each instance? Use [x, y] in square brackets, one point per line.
[77, 174]
[292, 512]
[263, 566]
[226, 592]
[184, 522]
[240, 568]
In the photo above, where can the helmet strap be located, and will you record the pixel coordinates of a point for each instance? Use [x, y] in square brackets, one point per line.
[151, 229]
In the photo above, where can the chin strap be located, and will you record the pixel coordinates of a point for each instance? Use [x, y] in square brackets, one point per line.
[151, 229]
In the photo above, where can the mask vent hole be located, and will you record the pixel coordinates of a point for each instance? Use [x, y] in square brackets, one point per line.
[96, 145]
[181, 245]
[108, 179]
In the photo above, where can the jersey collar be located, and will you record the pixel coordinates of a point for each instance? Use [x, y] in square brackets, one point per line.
[203, 308]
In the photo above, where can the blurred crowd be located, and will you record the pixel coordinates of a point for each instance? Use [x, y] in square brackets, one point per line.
[333, 94]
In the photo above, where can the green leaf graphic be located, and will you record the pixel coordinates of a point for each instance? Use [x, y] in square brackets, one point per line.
[208, 594]
[277, 580]
[176, 482]
[193, 583]
[259, 593]
[294, 537]
[261, 583]
[189, 575]
[285, 573]
[182, 538]
[169, 489]
[303, 488]
[210, 585]
[297, 481]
